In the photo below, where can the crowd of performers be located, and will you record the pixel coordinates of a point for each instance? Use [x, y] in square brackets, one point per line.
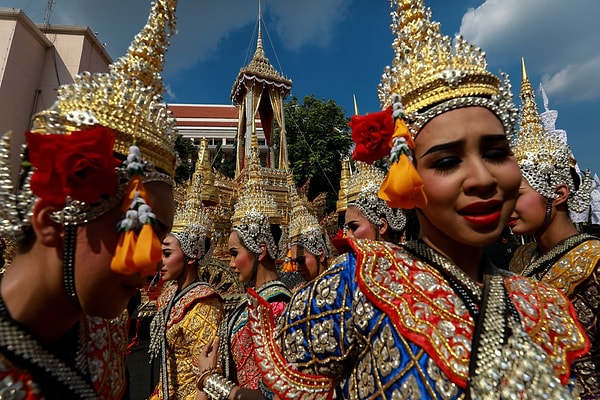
[389, 311]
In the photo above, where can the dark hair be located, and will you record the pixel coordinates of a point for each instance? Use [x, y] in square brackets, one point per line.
[576, 178]
[276, 232]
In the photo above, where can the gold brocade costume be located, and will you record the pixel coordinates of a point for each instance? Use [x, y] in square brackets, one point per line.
[575, 271]
[388, 321]
[193, 319]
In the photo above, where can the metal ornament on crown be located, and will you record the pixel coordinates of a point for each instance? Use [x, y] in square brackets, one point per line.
[546, 160]
[429, 75]
[363, 186]
[84, 153]
[304, 228]
[255, 209]
[192, 225]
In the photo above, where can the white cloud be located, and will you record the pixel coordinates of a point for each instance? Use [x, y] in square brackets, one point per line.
[307, 22]
[579, 82]
[557, 38]
[201, 24]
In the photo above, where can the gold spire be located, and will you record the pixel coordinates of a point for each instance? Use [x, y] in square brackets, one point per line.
[210, 195]
[304, 228]
[127, 99]
[342, 202]
[253, 197]
[431, 75]
[259, 67]
[191, 224]
[545, 160]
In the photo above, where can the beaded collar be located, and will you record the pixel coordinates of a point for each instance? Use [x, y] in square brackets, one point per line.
[540, 265]
[465, 287]
[16, 342]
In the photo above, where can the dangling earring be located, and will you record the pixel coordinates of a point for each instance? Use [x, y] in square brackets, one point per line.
[548, 211]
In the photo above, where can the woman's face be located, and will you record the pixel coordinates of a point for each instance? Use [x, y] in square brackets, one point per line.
[242, 260]
[101, 291]
[358, 226]
[530, 211]
[470, 177]
[173, 259]
[306, 263]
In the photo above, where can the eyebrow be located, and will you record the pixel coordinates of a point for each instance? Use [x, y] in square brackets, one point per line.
[443, 146]
[450, 145]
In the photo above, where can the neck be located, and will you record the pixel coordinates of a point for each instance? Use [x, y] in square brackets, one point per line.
[34, 294]
[467, 258]
[558, 229]
[266, 272]
[188, 276]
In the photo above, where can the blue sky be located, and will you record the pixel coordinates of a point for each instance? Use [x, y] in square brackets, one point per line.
[335, 49]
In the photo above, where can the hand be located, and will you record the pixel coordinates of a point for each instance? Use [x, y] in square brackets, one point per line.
[208, 356]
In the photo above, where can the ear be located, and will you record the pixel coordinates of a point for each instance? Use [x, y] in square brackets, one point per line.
[384, 227]
[322, 256]
[191, 261]
[263, 252]
[48, 232]
[562, 192]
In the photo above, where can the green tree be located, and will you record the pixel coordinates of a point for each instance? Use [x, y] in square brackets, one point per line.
[318, 136]
[187, 152]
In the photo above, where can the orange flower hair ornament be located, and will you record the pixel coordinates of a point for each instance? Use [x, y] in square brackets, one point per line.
[402, 186]
[139, 248]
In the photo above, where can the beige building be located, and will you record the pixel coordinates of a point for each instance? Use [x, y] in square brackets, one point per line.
[34, 61]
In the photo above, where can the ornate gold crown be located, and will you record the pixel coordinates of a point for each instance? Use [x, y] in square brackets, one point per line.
[304, 228]
[545, 160]
[342, 202]
[127, 99]
[362, 193]
[256, 209]
[209, 193]
[192, 225]
[433, 76]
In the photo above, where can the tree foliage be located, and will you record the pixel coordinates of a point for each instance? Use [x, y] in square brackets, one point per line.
[187, 152]
[318, 138]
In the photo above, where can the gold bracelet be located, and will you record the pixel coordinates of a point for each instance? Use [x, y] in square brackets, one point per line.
[204, 374]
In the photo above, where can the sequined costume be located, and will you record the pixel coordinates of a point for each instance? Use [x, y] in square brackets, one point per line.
[237, 353]
[572, 266]
[30, 370]
[399, 322]
[191, 319]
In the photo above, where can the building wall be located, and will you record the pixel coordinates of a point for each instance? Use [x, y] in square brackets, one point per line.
[34, 61]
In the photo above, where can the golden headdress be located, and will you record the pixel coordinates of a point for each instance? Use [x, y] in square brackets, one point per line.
[192, 225]
[546, 161]
[210, 194]
[432, 76]
[429, 75]
[71, 145]
[363, 187]
[255, 209]
[342, 201]
[304, 228]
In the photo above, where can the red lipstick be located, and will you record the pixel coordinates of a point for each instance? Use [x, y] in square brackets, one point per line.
[482, 213]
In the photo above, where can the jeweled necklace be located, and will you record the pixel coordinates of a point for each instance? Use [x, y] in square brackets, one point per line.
[18, 342]
[462, 284]
[539, 266]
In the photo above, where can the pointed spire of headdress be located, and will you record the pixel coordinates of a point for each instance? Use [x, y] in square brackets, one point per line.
[304, 228]
[342, 201]
[255, 208]
[431, 75]
[254, 197]
[192, 225]
[545, 160]
[210, 195]
[127, 99]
